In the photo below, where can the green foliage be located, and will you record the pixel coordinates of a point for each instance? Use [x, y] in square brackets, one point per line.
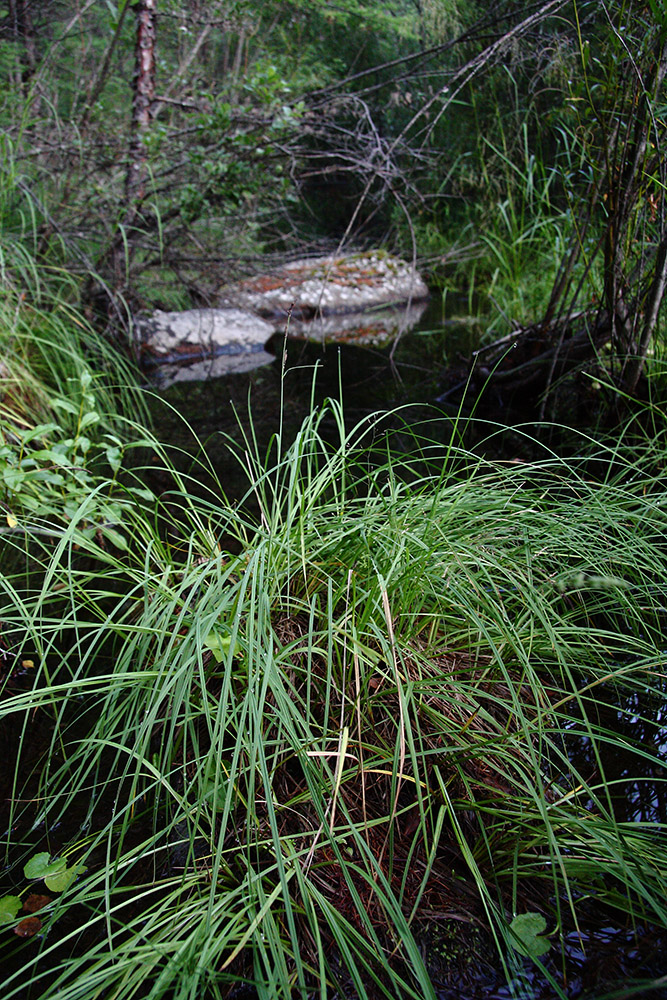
[55, 872]
[404, 687]
[274, 118]
[289, 749]
[9, 907]
[617, 200]
[40, 466]
[53, 446]
[41, 866]
[528, 928]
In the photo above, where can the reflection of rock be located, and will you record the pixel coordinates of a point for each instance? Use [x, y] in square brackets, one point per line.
[228, 362]
[372, 328]
[327, 286]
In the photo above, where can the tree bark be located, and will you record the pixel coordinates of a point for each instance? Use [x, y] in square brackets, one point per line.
[143, 85]
[121, 250]
[142, 103]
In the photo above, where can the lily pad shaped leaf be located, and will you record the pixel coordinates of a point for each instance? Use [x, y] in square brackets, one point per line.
[219, 646]
[41, 865]
[9, 907]
[62, 880]
[528, 927]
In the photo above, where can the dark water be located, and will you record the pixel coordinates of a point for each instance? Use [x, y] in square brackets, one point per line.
[279, 396]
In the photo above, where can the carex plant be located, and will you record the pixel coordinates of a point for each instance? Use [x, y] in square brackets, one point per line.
[276, 742]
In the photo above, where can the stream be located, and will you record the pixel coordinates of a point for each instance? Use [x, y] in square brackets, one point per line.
[190, 414]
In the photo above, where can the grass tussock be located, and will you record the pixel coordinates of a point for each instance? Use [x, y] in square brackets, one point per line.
[287, 751]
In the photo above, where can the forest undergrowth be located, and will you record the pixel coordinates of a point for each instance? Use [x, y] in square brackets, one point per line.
[391, 724]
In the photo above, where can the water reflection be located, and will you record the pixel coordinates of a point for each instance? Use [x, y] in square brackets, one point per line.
[245, 349]
[626, 754]
[233, 360]
[208, 400]
[371, 328]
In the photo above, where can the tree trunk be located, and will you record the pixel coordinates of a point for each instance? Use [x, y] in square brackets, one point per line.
[142, 103]
[143, 85]
[656, 294]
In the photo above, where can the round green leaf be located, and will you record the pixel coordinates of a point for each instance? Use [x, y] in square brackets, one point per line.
[9, 907]
[528, 927]
[219, 645]
[62, 880]
[41, 865]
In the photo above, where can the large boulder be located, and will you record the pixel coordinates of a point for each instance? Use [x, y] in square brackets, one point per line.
[327, 286]
[199, 333]
[199, 344]
[366, 299]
